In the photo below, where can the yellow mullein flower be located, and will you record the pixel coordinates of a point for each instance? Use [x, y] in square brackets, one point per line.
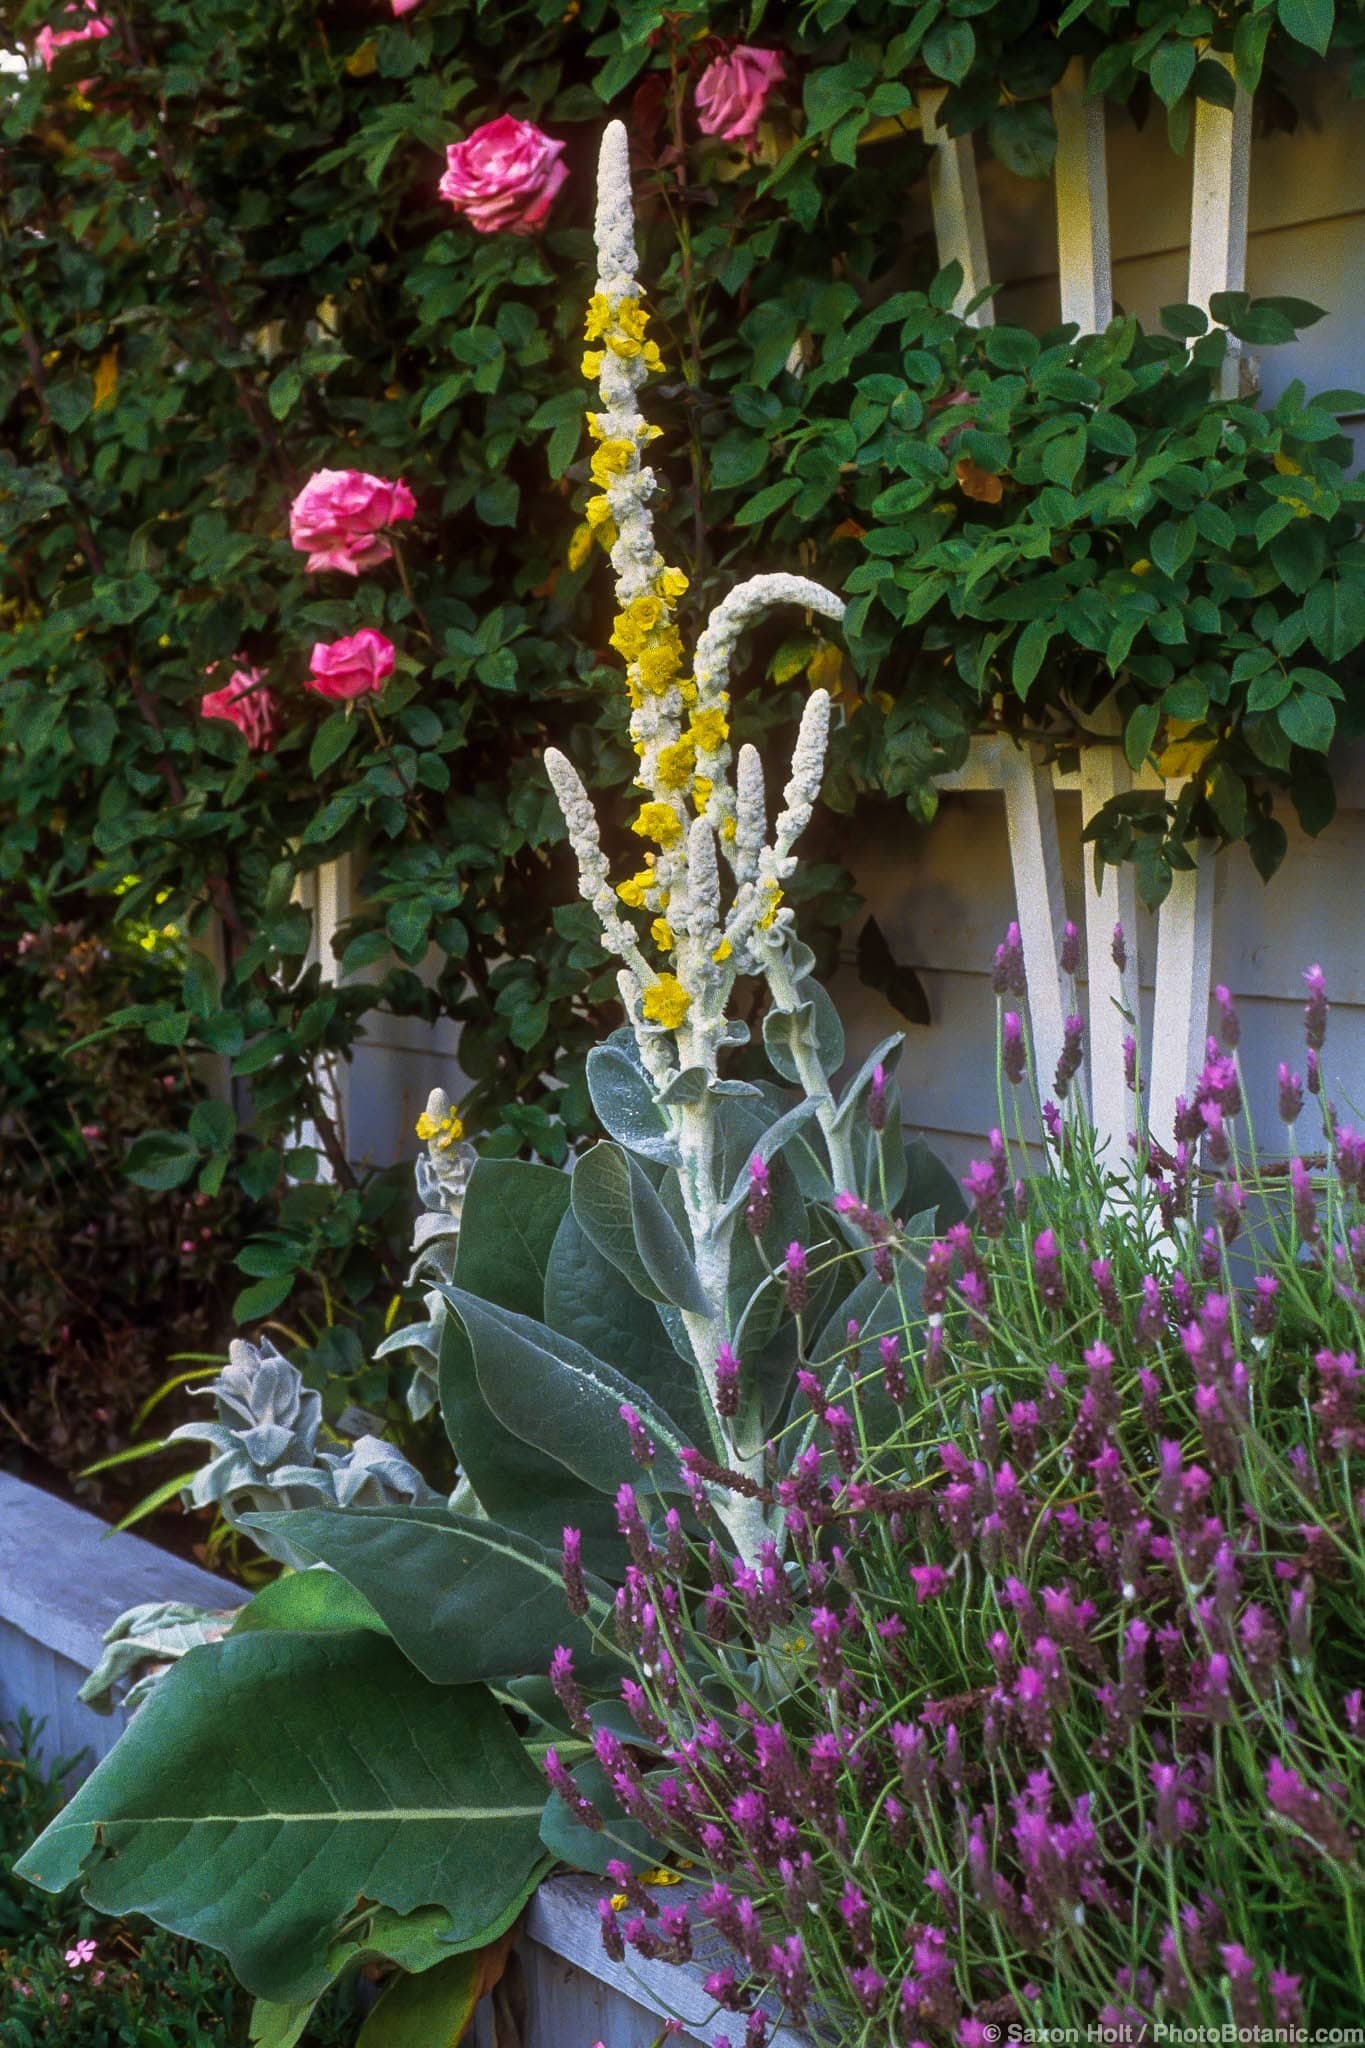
[635, 888]
[674, 765]
[447, 1131]
[666, 1002]
[772, 898]
[660, 1876]
[620, 345]
[653, 360]
[610, 458]
[659, 822]
[618, 1902]
[709, 730]
[727, 830]
[702, 789]
[580, 546]
[591, 365]
[672, 584]
[661, 931]
[597, 512]
[659, 662]
[598, 316]
[631, 318]
[687, 690]
[722, 951]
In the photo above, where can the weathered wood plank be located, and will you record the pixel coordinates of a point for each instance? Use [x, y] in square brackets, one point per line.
[327, 893]
[1184, 977]
[955, 197]
[1218, 213]
[1113, 995]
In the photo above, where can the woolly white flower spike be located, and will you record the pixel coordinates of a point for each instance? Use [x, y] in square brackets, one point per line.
[594, 876]
[808, 767]
[751, 815]
[703, 906]
[614, 229]
[739, 608]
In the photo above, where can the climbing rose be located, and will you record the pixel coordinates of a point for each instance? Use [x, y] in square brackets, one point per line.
[51, 40]
[405, 6]
[344, 669]
[244, 702]
[504, 176]
[338, 518]
[733, 91]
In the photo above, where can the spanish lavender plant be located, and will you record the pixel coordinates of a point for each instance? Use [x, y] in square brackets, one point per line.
[1043, 1705]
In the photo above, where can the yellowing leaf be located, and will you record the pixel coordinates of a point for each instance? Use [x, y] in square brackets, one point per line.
[1182, 755]
[106, 378]
[362, 62]
[978, 483]
[825, 670]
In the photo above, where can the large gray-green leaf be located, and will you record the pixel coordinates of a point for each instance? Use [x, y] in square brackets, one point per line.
[314, 1601]
[464, 1599]
[766, 1147]
[585, 1848]
[507, 1225]
[886, 1055]
[814, 1024]
[619, 1210]
[587, 1299]
[272, 1780]
[514, 1482]
[555, 1395]
[623, 1096]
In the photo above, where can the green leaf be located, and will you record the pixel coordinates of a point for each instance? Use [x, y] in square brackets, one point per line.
[812, 1029]
[213, 1125]
[1299, 554]
[559, 1398]
[764, 503]
[1024, 137]
[1171, 69]
[512, 1209]
[271, 1780]
[514, 1481]
[498, 501]
[465, 1600]
[1139, 734]
[620, 1212]
[1308, 720]
[330, 741]
[71, 400]
[623, 1098]
[307, 1601]
[432, 2010]
[1030, 650]
[262, 1299]
[584, 1848]
[948, 50]
[1308, 21]
[161, 1160]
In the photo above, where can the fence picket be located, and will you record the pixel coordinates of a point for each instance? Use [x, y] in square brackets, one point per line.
[955, 197]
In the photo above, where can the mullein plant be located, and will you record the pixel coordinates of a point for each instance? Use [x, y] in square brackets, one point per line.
[1046, 1708]
[710, 885]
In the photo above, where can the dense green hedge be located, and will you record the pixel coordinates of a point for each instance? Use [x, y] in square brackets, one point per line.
[226, 265]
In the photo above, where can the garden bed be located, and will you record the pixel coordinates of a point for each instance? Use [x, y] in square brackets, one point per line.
[65, 1577]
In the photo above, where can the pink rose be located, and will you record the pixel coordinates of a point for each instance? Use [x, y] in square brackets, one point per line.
[244, 702]
[504, 176]
[338, 518]
[350, 668]
[52, 40]
[405, 6]
[733, 91]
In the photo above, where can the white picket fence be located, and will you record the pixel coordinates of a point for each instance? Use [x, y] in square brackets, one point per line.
[1218, 237]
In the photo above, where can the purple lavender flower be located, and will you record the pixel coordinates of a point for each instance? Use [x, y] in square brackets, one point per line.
[1264, 1305]
[1130, 1063]
[856, 1915]
[1307, 1810]
[1313, 1070]
[1315, 1009]
[610, 1931]
[867, 1987]
[795, 1277]
[876, 1100]
[1102, 1273]
[839, 1423]
[571, 1565]
[893, 1368]
[583, 1810]
[727, 1383]
[929, 1580]
[1069, 1062]
[566, 1689]
[1291, 1095]
[642, 1446]
[759, 1207]
[1118, 951]
[826, 1629]
[1229, 1208]
[1286, 2000]
[1150, 1326]
[1013, 1054]
[985, 1190]
[1305, 1205]
[1069, 958]
[1007, 975]
[1229, 1024]
[787, 1966]
[1047, 1269]
[1243, 1996]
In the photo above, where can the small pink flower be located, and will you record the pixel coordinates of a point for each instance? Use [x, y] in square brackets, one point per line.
[339, 516]
[350, 668]
[79, 1953]
[52, 40]
[91, 1132]
[405, 6]
[503, 177]
[734, 90]
[244, 702]
[929, 1581]
[97, 1976]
